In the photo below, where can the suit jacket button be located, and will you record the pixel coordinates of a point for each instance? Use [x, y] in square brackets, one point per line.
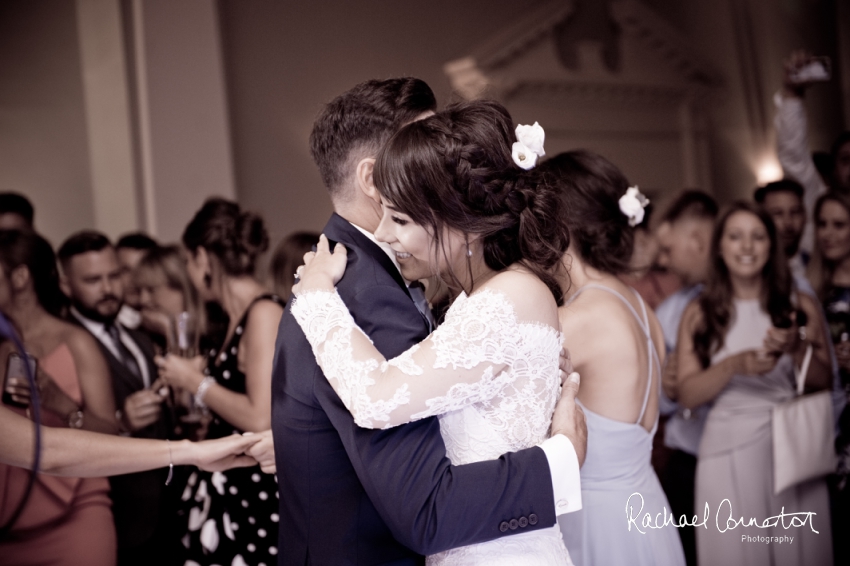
[514, 524]
[503, 526]
[532, 519]
[523, 522]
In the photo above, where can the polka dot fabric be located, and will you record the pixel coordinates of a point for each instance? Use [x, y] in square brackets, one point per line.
[231, 516]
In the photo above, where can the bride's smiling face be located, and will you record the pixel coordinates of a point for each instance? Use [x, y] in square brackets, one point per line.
[415, 246]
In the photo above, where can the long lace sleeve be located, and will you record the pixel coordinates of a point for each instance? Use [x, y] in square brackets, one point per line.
[461, 363]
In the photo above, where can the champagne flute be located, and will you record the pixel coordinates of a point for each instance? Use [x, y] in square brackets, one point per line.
[183, 342]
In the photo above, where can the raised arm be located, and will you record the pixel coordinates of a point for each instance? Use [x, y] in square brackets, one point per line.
[792, 142]
[461, 363]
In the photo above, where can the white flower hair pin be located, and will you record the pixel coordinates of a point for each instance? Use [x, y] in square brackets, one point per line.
[529, 145]
[632, 204]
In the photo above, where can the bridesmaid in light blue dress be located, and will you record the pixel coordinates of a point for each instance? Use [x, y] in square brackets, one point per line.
[618, 483]
[612, 342]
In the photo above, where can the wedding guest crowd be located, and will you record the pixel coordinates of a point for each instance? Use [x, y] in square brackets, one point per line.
[742, 296]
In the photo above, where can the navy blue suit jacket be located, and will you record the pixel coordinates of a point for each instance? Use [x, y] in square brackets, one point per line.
[356, 496]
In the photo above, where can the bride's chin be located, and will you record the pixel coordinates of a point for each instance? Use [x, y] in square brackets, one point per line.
[414, 272]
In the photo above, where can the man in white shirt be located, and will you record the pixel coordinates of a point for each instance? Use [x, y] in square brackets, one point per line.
[792, 145]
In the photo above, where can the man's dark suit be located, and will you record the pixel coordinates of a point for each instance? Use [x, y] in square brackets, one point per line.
[138, 500]
[356, 496]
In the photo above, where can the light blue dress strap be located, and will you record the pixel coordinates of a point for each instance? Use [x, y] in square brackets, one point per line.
[651, 355]
[643, 322]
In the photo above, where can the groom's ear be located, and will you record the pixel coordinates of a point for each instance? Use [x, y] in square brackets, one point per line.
[365, 179]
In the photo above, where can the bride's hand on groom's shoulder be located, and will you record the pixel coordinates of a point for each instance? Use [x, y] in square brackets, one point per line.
[322, 269]
[568, 418]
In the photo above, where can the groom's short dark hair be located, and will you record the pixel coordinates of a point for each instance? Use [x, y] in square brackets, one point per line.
[361, 120]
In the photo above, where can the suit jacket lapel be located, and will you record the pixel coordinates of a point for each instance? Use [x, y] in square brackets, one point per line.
[120, 371]
[116, 368]
[339, 229]
[143, 343]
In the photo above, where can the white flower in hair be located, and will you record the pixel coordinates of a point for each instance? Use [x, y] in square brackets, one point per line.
[529, 145]
[632, 204]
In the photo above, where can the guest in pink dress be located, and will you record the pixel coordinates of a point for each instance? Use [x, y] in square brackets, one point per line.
[66, 521]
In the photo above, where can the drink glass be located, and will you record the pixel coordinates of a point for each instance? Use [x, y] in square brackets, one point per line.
[183, 341]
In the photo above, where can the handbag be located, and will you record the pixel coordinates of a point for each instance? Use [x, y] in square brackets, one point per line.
[803, 435]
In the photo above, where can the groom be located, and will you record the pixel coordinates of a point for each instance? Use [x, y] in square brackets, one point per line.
[350, 495]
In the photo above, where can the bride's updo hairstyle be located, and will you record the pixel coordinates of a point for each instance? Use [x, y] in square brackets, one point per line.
[455, 170]
[235, 237]
[591, 187]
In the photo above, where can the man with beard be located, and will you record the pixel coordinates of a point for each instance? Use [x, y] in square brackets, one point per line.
[92, 279]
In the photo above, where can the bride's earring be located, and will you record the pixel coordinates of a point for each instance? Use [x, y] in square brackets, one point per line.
[468, 251]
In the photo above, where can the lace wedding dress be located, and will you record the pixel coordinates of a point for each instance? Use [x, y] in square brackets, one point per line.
[492, 379]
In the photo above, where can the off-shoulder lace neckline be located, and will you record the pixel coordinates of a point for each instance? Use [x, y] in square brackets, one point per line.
[501, 295]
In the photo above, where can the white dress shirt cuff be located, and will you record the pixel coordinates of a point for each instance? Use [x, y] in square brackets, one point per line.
[566, 479]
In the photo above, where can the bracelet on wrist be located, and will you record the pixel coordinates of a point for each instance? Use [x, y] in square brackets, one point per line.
[203, 387]
[170, 463]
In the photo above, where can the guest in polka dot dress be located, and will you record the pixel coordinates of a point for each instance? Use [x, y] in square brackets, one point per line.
[231, 517]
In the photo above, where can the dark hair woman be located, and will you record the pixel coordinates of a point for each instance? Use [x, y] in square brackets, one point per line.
[616, 345]
[829, 267]
[222, 245]
[457, 205]
[287, 257]
[64, 516]
[738, 348]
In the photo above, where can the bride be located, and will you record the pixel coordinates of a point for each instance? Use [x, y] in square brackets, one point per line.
[456, 206]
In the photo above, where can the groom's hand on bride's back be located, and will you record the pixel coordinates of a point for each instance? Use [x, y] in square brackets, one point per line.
[568, 418]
